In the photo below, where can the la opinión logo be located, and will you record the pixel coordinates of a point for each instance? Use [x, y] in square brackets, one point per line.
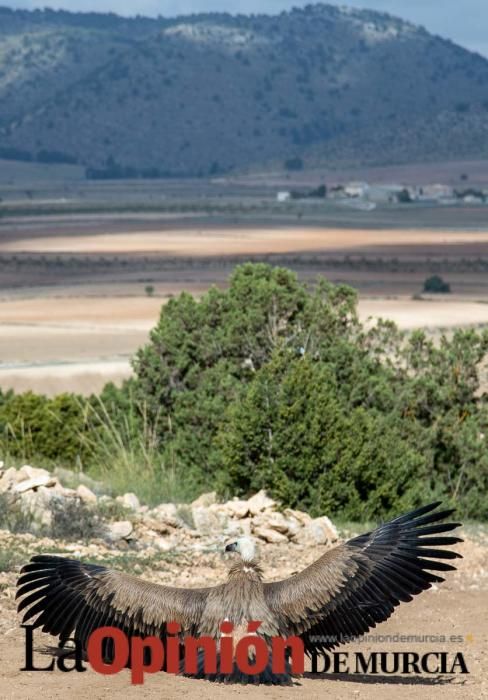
[150, 655]
[283, 655]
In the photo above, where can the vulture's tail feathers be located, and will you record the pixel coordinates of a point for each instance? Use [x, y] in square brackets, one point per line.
[266, 677]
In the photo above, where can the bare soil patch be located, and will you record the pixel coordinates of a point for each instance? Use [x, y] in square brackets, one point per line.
[246, 240]
[91, 311]
[52, 344]
[455, 607]
[83, 378]
[77, 299]
[430, 314]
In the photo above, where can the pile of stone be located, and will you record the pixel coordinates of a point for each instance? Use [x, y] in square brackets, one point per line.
[34, 491]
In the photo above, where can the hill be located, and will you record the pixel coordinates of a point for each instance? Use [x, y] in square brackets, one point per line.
[211, 93]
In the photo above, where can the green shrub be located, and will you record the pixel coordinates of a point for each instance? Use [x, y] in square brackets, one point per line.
[436, 285]
[270, 384]
[202, 377]
[202, 353]
[33, 426]
[293, 435]
[74, 520]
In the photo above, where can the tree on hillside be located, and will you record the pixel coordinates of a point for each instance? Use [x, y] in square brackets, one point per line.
[203, 370]
[272, 384]
[292, 435]
[436, 285]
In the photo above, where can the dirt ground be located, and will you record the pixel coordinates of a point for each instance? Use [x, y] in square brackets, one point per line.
[51, 345]
[73, 307]
[78, 343]
[242, 240]
[456, 607]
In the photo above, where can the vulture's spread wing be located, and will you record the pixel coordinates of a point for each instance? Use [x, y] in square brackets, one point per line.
[358, 584]
[70, 599]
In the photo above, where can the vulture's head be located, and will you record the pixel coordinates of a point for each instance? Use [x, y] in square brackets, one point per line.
[245, 546]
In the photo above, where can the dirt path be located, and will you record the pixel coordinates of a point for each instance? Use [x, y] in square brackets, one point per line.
[442, 612]
[457, 607]
[439, 612]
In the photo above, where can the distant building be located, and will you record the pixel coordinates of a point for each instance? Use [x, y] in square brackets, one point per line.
[283, 196]
[356, 189]
[336, 192]
[473, 199]
[389, 193]
[471, 196]
[436, 192]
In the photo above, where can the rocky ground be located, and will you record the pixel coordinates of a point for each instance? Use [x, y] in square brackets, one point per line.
[183, 545]
[37, 501]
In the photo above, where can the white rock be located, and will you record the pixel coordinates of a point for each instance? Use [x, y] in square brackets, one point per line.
[28, 472]
[7, 479]
[36, 505]
[120, 530]
[294, 526]
[269, 535]
[62, 491]
[34, 483]
[164, 545]
[332, 532]
[129, 500]
[158, 526]
[237, 509]
[205, 500]
[298, 515]
[244, 526]
[207, 521]
[318, 531]
[276, 521]
[106, 500]
[259, 502]
[86, 495]
[166, 513]
[234, 529]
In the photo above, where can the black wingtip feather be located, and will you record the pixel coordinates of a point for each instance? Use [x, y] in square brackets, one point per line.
[412, 514]
[403, 559]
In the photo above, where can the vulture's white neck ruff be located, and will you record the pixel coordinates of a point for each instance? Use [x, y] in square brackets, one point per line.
[246, 548]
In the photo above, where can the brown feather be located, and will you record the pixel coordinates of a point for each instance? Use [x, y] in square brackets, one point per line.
[358, 584]
[346, 592]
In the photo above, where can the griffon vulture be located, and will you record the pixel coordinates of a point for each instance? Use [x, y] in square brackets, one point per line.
[347, 591]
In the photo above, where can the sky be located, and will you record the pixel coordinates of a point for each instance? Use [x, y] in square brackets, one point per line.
[463, 21]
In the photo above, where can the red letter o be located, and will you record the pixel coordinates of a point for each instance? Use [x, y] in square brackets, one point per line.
[261, 655]
[121, 650]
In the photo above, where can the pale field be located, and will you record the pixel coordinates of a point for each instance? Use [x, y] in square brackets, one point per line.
[51, 345]
[76, 334]
[247, 241]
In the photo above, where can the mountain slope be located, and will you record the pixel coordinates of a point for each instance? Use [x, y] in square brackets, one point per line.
[209, 93]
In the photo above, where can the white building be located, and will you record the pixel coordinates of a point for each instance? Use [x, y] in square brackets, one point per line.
[283, 196]
[356, 189]
[435, 192]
